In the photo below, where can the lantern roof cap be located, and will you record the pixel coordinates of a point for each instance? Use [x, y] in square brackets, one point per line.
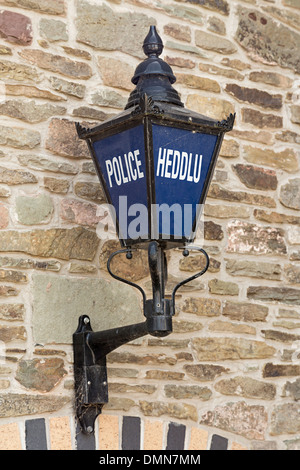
[153, 65]
[154, 76]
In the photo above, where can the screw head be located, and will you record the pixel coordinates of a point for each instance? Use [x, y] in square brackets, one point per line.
[86, 320]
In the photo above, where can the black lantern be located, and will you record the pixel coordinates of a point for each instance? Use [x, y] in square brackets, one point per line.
[155, 161]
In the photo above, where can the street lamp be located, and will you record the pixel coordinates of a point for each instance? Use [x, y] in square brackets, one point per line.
[155, 161]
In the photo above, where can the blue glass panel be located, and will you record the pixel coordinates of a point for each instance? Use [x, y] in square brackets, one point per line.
[121, 159]
[181, 163]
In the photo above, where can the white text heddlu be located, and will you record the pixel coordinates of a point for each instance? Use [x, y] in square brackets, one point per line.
[179, 165]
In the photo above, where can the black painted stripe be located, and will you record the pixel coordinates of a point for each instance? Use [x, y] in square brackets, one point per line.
[218, 443]
[35, 434]
[131, 433]
[84, 441]
[175, 437]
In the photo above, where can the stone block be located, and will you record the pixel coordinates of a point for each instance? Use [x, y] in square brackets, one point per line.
[248, 268]
[114, 27]
[178, 31]
[53, 30]
[116, 73]
[16, 177]
[290, 194]
[220, 6]
[276, 335]
[215, 108]
[31, 92]
[285, 419]
[246, 387]
[188, 391]
[286, 160]
[202, 306]
[33, 210]
[55, 7]
[76, 243]
[271, 78]
[254, 96]
[258, 33]
[284, 295]
[214, 43]
[217, 286]
[22, 404]
[109, 98]
[219, 349]
[276, 218]
[56, 185]
[204, 372]
[15, 27]
[90, 191]
[79, 212]
[175, 410]
[283, 15]
[240, 418]
[245, 311]
[19, 137]
[41, 375]
[19, 72]
[261, 120]
[256, 177]
[244, 237]
[201, 83]
[69, 88]
[58, 301]
[218, 192]
[63, 140]
[281, 370]
[45, 164]
[57, 64]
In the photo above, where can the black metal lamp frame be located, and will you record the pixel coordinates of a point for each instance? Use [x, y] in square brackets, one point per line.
[91, 348]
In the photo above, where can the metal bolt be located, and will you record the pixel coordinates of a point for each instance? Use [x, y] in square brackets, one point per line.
[89, 429]
[86, 320]
[89, 382]
[104, 383]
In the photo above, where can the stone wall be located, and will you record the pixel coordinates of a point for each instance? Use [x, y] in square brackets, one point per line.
[231, 368]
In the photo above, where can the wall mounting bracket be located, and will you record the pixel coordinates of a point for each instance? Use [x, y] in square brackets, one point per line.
[91, 348]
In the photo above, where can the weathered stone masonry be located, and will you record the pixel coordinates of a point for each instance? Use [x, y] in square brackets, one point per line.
[229, 375]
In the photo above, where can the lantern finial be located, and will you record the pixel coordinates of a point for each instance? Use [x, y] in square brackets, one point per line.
[153, 45]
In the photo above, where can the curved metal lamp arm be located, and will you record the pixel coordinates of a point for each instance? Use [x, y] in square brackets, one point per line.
[118, 278]
[195, 276]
